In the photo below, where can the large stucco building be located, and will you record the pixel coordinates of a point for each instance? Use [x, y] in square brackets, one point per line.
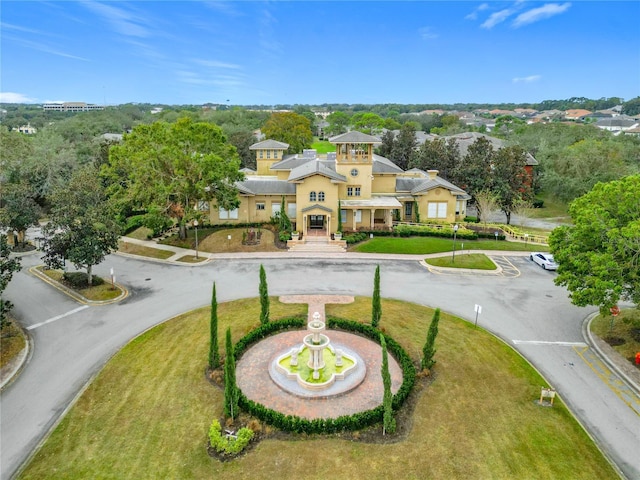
[367, 190]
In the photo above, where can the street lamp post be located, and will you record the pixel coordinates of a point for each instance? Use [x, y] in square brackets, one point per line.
[455, 231]
[195, 225]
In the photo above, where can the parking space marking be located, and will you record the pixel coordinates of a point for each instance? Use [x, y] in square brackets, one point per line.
[610, 379]
[508, 268]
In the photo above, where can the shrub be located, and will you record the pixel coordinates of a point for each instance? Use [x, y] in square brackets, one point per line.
[80, 279]
[445, 231]
[356, 421]
[227, 444]
[537, 203]
[472, 219]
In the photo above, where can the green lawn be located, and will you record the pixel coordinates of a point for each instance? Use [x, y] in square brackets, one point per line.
[144, 251]
[626, 328]
[323, 146]
[147, 413]
[552, 208]
[478, 261]
[425, 245]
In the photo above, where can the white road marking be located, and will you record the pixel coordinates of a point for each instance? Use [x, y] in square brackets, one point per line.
[58, 317]
[543, 342]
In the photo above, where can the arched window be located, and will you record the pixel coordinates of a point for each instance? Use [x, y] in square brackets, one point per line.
[321, 196]
[312, 196]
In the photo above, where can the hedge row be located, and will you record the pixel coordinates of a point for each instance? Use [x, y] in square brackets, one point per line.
[292, 423]
[393, 347]
[266, 330]
[424, 231]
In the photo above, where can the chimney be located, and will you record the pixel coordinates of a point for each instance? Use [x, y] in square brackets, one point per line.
[432, 174]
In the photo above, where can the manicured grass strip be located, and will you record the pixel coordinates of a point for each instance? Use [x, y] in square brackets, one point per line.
[425, 245]
[217, 241]
[12, 341]
[97, 293]
[147, 413]
[323, 146]
[626, 327]
[478, 261]
[192, 259]
[141, 233]
[144, 251]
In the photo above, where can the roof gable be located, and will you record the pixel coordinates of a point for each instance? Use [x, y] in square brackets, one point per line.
[315, 167]
[271, 144]
[354, 137]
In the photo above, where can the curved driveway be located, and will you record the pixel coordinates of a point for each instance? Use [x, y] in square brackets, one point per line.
[527, 311]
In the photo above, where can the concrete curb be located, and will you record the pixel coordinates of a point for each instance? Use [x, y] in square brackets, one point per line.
[124, 293]
[10, 372]
[586, 334]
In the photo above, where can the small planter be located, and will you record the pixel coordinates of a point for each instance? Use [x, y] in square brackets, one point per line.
[337, 236]
[295, 236]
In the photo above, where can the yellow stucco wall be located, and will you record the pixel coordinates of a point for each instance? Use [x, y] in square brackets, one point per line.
[362, 180]
[317, 184]
[438, 195]
[383, 184]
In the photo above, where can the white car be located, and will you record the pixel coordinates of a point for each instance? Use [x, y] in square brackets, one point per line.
[545, 260]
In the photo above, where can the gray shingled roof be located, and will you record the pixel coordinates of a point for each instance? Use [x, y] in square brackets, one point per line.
[384, 165]
[315, 167]
[266, 186]
[354, 137]
[416, 186]
[272, 144]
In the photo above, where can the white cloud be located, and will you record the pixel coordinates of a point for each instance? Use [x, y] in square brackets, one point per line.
[536, 14]
[427, 34]
[474, 15]
[12, 97]
[497, 17]
[217, 64]
[529, 79]
[123, 22]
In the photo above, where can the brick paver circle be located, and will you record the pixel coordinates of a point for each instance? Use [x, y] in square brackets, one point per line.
[252, 373]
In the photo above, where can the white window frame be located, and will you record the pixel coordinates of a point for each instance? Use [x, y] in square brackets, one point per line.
[225, 214]
[343, 215]
[312, 196]
[358, 214]
[260, 206]
[437, 210]
[321, 196]
[291, 210]
[275, 208]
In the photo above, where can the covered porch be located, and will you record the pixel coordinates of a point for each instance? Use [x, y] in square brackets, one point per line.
[376, 212]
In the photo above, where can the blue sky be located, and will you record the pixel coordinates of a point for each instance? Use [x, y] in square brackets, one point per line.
[313, 52]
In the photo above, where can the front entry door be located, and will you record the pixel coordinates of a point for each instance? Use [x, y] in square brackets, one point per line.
[316, 221]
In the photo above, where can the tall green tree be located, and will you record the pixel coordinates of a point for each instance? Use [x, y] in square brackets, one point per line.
[18, 209]
[82, 226]
[511, 181]
[338, 123]
[369, 123]
[386, 146]
[172, 167]
[475, 171]
[231, 393]
[403, 151]
[376, 307]
[291, 128]
[214, 354]
[439, 154]
[429, 349]
[264, 296]
[8, 266]
[599, 255]
[388, 422]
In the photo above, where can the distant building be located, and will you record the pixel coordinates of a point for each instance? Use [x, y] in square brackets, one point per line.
[26, 129]
[71, 107]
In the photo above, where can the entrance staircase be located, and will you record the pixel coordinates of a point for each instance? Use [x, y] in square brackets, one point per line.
[317, 244]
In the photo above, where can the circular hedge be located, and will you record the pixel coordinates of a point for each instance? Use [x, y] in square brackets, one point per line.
[356, 421]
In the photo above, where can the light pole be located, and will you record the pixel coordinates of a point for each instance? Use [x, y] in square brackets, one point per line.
[455, 231]
[195, 225]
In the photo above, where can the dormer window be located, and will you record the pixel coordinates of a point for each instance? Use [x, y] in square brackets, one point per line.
[312, 196]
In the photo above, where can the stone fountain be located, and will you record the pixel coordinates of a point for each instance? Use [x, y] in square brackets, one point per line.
[316, 365]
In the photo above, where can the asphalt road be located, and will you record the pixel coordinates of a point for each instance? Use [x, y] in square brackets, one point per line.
[527, 311]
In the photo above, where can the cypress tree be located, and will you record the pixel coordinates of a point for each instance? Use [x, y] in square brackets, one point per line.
[429, 347]
[339, 217]
[264, 297]
[230, 388]
[388, 422]
[376, 307]
[214, 354]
